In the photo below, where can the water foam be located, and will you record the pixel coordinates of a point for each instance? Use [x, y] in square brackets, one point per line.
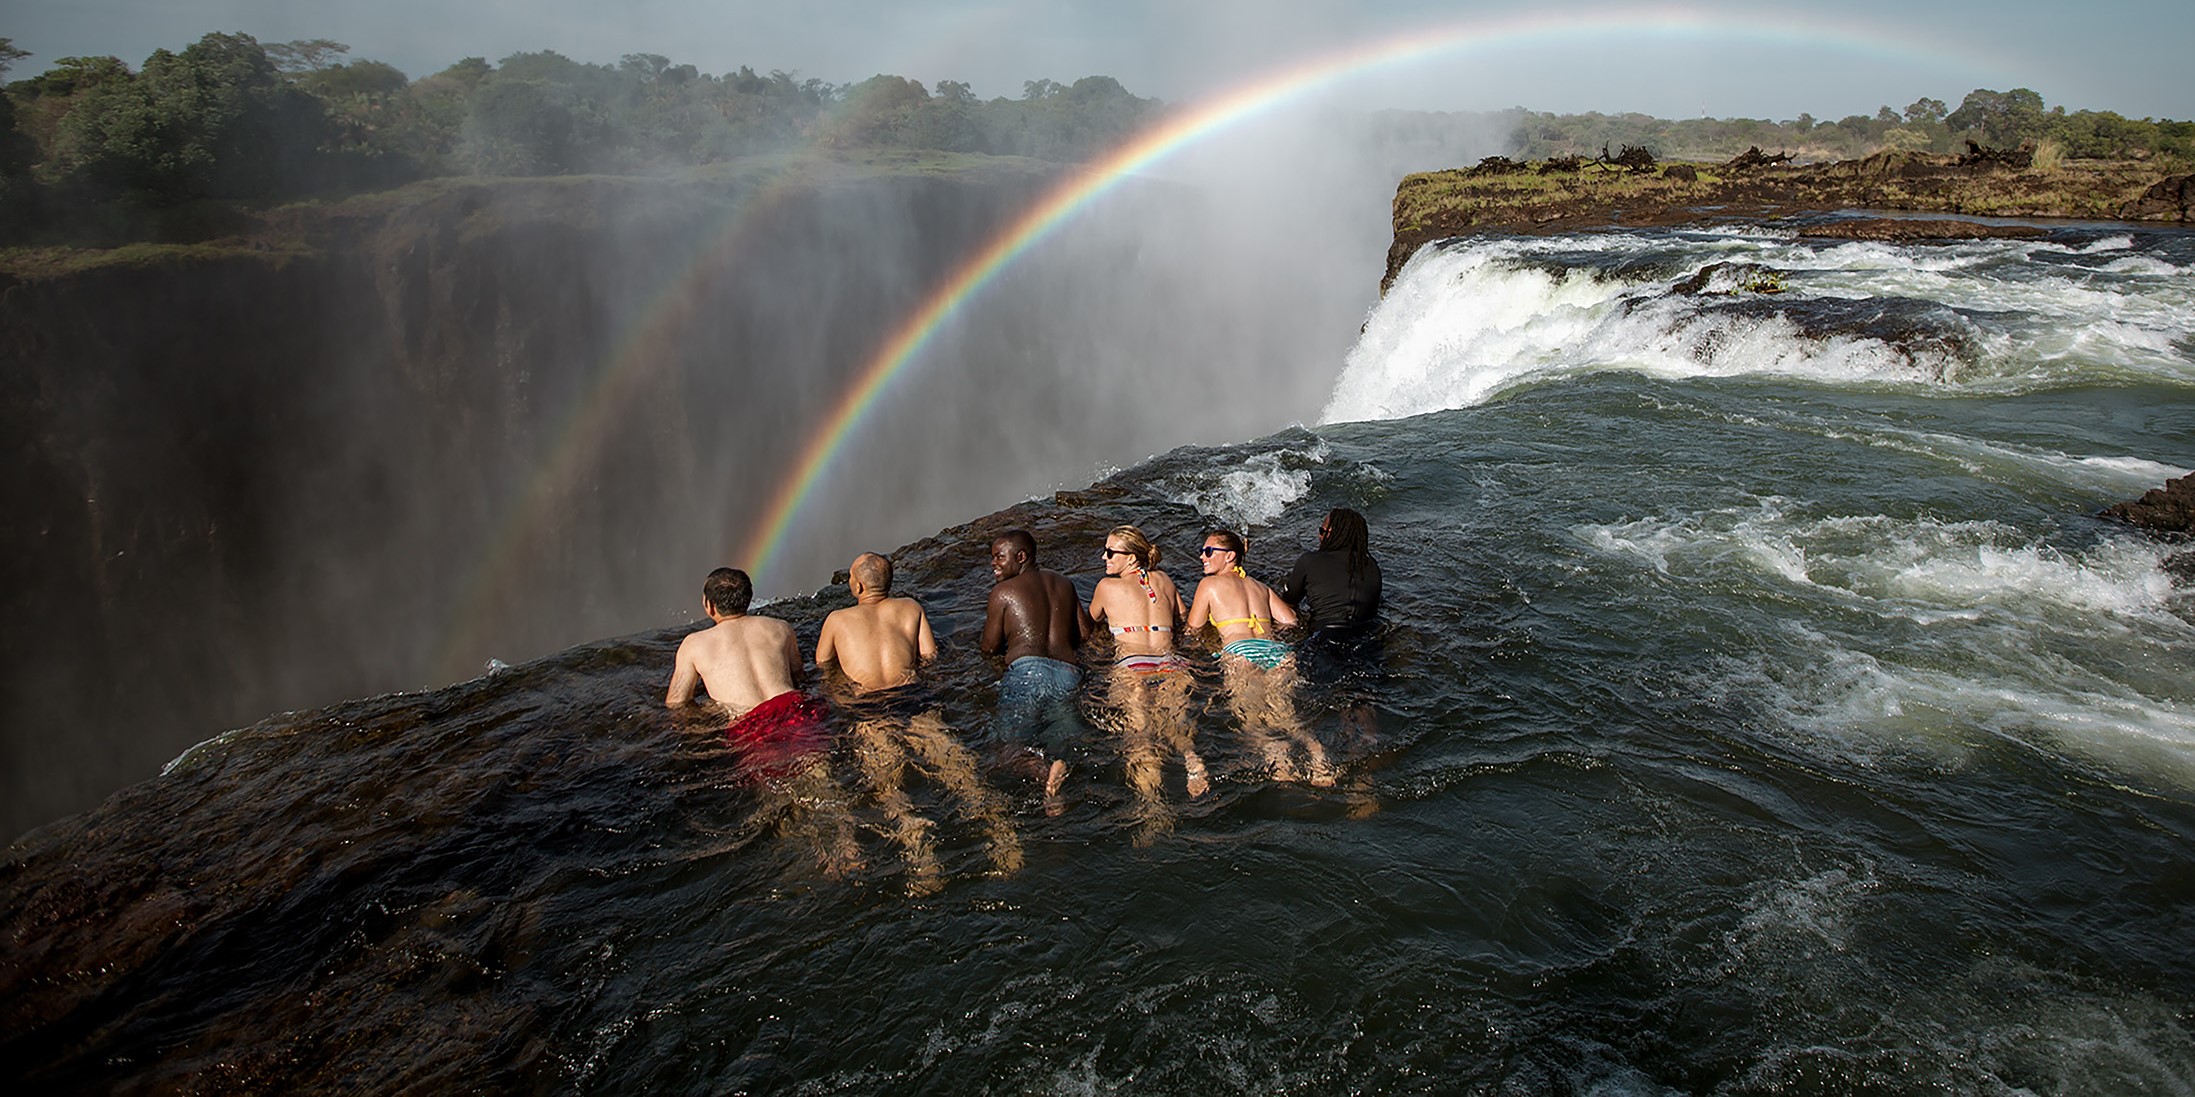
[1934, 636]
[1469, 321]
[1922, 569]
[1253, 493]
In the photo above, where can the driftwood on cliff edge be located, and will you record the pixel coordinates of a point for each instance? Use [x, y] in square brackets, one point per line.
[1632, 158]
[1982, 156]
[1753, 157]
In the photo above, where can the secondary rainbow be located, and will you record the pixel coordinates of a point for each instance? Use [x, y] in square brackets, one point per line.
[580, 434]
[916, 331]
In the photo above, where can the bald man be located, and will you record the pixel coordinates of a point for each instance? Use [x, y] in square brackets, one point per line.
[878, 645]
[880, 640]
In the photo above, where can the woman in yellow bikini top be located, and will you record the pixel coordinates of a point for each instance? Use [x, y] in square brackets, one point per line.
[1241, 608]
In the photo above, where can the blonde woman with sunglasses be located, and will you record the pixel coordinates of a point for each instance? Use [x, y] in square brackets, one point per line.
[1149, 694]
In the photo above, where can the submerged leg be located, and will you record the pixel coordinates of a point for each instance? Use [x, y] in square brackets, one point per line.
[1246, 697]
[817, 811]
[884, 763]
[1142, 756]
[1280, 706]
[954, 766]
[1169, 696]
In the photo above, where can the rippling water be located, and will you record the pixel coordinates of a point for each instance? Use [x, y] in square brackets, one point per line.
[1761, 710]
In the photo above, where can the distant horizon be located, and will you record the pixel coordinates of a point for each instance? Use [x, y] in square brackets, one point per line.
[2107, 58]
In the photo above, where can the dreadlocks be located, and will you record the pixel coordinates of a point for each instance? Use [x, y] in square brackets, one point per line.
[1345, 531]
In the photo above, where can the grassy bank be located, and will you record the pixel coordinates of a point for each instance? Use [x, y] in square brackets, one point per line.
[1536, 197]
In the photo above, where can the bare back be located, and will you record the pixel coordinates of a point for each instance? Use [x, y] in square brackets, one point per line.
[877, 645]
[742, 662]
[1034, 613]
[1142, 622]
[1239, 606]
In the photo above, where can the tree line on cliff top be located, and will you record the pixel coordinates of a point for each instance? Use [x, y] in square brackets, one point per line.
[228, 118]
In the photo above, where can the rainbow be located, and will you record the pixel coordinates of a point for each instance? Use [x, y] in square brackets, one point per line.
[579, 436]
[915, 332]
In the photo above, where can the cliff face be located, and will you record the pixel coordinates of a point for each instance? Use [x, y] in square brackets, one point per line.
[467, 420]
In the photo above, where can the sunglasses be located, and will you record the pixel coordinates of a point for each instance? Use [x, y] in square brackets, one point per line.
[1115, 552]
[1210, 550]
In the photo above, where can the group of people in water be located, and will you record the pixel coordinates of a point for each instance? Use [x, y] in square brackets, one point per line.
[1035, 622]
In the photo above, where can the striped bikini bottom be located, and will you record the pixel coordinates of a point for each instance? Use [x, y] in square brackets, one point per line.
[1261, 653]
[1168, 663]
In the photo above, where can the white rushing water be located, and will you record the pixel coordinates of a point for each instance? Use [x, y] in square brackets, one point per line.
[1466, 322]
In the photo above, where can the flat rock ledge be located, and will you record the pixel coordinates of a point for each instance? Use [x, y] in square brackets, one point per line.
[1914, 229]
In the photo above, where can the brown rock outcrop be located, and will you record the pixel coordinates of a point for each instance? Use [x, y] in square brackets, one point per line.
[2172, 199]
[2169, 509]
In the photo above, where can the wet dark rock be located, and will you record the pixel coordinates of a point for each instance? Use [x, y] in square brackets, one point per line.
[1908, 230]
[2181, 567]
[2171, 199]
[2168, 510]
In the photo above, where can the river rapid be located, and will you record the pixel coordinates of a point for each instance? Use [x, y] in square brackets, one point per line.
[1761, 709]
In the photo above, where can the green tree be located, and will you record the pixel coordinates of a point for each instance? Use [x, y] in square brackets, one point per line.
[305, 54]
[2002, 119]
[356, 80]
[881, 110]
[214, 120]
[17, 151]
[518, 127]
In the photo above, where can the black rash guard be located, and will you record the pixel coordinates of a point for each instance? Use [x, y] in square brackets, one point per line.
[1329, 599]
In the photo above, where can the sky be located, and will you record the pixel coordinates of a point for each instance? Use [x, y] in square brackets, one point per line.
[1764, 59]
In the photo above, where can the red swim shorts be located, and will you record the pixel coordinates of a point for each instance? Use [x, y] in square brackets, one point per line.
[780, 737]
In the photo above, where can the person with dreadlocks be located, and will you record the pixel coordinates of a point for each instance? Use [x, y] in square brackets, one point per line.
[1337, 585]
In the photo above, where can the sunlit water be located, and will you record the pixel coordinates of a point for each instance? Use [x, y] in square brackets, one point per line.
[1761, 710]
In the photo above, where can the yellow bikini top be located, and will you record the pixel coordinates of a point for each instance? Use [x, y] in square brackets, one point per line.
[1255, 623]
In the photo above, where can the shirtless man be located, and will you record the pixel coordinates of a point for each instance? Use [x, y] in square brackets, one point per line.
[748, 665]
[879, 640]
[1036, 621]
[877, 644]
[743, 661]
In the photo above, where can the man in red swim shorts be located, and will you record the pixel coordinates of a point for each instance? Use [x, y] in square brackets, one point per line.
[748, 665]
